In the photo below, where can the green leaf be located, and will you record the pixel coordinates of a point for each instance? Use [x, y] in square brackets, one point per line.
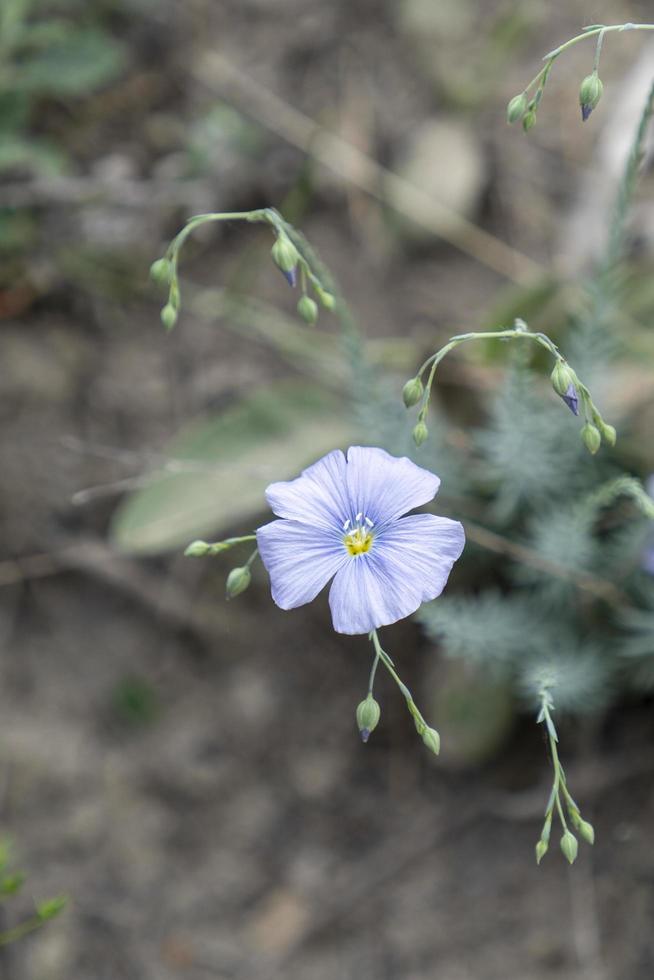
[35, 155]
[83, 62]
[220, 467]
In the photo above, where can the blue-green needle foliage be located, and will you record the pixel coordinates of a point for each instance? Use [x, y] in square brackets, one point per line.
[557, 580]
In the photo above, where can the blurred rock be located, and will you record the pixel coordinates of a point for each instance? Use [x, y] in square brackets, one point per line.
[445, 160]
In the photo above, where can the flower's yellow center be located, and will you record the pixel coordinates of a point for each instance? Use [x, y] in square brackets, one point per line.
[358, 538]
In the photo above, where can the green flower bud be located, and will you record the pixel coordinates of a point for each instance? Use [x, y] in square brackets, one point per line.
[562, 377]
[609, 435]
[420, 433]
[368, 714]
[590, 92]
[11, 884]
[528, 120]
[308, 310]
[516, 108]
[160, 272]
[197, 549]
[541, 850]
[591, 438]
[169, 316]
[284, 253]
[237, 581]
[569, 846]
[412, 392]
[586, 831]
[326, 299]
[432, 740]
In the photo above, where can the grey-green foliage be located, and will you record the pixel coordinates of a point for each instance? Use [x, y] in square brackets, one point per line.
[567, 603]
[46, 50]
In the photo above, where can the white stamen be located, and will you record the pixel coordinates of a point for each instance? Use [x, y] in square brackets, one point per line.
[346, 524]
[369, 522]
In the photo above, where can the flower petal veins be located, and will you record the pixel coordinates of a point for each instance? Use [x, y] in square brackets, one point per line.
[383, 486]
[409, 564]
[300, 560]
[318, 496]
[342, 519]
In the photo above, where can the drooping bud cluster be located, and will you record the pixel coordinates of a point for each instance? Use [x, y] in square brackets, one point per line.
[568, 386]
[560, 798]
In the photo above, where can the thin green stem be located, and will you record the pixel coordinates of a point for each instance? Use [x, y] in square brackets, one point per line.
[11, 935]
[252, 557]
[373, 671]
[598, 51]
[600, 29]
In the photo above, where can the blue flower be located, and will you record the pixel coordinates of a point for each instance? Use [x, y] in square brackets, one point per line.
[343, 519]
[647, 562]
[571, 399]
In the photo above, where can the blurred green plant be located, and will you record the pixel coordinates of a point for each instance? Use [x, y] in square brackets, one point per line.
[45, 54]
[11, 884]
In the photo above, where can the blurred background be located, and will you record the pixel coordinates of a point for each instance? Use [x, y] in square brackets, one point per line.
[189, 770]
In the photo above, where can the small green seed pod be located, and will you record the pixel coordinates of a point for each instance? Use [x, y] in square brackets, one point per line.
[197, 549]
[327, 300]
[586, 831]
[591, 437]
[608, 433]
[237, 581]
[412, 392]
[541, 850]
[432, 740]
[528, 120]
[308, 310]
[569, 846]
[160, 272]
[516, 108]
[420, 433]
[169, 316]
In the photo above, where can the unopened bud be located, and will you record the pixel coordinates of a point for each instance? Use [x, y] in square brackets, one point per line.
[571, 398]
[326, 299]
[569, 846]
[308, 309]
[368, 715]
[528, 120]
[561, 377]
[591, 438]
[432, 740]
[285, 256]
[586, 831]
[169, 316]
[197, 549]
[237, 581]
[541, 850]
[420, 433]
[516, 108]
[590, 92]
[607, 432]
[412, 392]
[160, 271]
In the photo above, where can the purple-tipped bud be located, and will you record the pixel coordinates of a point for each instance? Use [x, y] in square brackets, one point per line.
[571, 399]
[590, 92]
[285, 257]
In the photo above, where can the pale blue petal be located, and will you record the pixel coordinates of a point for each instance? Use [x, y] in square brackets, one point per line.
[408, 564]
[384, 487]
[317, 497]
[299, 559]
